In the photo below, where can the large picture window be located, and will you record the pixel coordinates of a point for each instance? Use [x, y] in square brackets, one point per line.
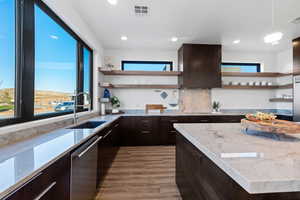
[43, 63]
[7, 59]
[87, 76]
[55, 66]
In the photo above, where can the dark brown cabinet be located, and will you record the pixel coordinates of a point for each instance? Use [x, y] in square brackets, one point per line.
[139, 131]
[201, 64]
[199, 178]
[51, 183]
[107, 149]
[296, 56]
[159, 130]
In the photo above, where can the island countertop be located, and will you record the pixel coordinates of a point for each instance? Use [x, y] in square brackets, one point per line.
[257, 164]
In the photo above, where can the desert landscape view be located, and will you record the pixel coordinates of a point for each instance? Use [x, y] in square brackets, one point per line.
[44, 102]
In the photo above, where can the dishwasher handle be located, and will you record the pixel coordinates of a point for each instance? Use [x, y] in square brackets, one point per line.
[89, 147]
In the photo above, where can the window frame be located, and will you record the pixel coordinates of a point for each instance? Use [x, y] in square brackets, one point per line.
[258, 65]
[123, 62]
[25, 62]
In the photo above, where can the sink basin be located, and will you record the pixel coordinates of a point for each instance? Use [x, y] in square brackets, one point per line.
[88, 125]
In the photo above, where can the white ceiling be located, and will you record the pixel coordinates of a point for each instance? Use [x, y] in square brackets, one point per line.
[192, 21]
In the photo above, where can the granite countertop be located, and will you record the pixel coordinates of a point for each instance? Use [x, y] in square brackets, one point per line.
[21, 161]
[171, 114]
[259, 165]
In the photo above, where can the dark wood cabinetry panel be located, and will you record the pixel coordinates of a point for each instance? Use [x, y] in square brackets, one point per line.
[201, 65]
[159, 130]
[107, 150]
[197, 178]
[296, 56]
[139, 131]
[51, 183]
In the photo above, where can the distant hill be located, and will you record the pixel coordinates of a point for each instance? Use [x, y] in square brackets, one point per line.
[39, 94]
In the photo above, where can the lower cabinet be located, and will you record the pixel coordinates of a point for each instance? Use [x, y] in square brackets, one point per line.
[159, 130]
[139, 131]
[199, 178]
[107, 150]
[51, 183]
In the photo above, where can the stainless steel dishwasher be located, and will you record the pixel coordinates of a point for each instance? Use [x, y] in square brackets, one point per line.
[84, 170]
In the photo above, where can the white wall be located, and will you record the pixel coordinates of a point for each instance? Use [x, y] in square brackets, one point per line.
[229, 98]
[115, 56]
[137, 98]
[267, 59]
[65, 10]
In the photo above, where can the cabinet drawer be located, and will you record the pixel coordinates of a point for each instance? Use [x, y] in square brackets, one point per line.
[51, 183]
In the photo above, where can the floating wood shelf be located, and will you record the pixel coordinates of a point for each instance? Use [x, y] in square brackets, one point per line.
[147, 86]
[257, 74]
[280, 100]
[287, 86]
[140, 73]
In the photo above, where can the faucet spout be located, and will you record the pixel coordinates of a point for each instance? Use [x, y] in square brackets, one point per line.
[76, 95]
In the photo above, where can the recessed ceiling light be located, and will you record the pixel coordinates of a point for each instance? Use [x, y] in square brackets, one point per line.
[273, 38]
[124, 38]
[236, 41]
[174, 39]
[113, 2]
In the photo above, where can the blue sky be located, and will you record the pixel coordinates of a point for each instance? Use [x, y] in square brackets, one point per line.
[7, 43]
[55, 52]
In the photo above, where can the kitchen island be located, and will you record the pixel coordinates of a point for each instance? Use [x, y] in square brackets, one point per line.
[220, 162]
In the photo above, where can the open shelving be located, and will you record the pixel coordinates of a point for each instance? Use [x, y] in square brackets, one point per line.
[256, 74]
[139, 86]
[140, 73]
[174, 86]
[286, 86]
[280, 100]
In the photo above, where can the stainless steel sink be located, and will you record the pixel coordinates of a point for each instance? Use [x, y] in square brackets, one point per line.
[88, 125]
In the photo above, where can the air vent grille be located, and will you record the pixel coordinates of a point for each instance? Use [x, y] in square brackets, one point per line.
[141, 10]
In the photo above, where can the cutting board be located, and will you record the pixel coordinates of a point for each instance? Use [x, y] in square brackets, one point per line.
[272, 126]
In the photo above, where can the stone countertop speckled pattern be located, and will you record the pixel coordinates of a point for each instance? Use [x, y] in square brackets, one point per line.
[21, 161]
[261, 165]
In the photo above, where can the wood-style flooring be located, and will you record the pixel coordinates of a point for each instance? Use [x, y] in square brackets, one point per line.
[141, 173]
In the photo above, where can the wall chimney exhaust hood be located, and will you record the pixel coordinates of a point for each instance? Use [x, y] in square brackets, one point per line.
[201, 65]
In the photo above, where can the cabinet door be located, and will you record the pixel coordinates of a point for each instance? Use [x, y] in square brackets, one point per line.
[127, 131]
[146, 132]
[167, 131]
[139, 131]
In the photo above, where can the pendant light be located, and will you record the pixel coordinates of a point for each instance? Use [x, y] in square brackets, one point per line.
[274, 37]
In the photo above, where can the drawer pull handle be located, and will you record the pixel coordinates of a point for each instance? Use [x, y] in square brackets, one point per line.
[107, 134]
[204, 120]
[147, 132]
[45, 191]
[89, 147]
[24, 184]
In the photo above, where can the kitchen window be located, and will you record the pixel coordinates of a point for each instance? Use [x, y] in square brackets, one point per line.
[147, 66]
[42, 61]
[7, 59]
[241, 67]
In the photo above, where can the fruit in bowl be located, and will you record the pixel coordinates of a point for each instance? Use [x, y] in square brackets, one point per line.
[260, 116]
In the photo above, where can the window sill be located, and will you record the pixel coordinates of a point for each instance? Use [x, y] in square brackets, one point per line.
[18, 132]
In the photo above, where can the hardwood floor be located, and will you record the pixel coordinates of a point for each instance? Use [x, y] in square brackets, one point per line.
[141, 173]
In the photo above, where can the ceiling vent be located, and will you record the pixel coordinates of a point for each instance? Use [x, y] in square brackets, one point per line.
[296, 21]
[141, 10]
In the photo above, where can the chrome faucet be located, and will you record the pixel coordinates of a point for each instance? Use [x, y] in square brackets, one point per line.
[76, 95]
